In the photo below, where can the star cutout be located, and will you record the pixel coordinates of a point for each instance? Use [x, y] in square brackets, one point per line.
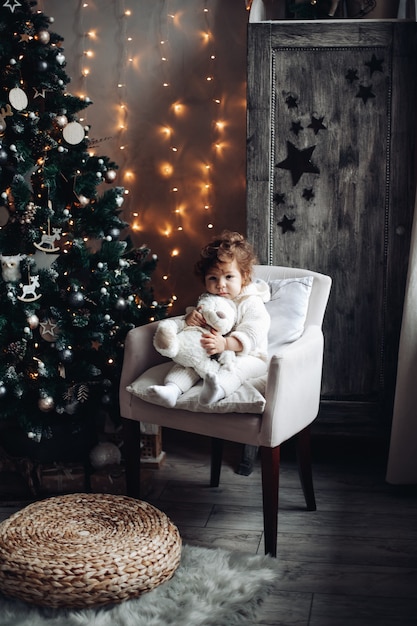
[95, 344]
[308, 194]
[287, 224]
[375, 65]
[39, 94]
[48, 331]
[352, 75]
[317, 124]
[298, 162]
[25, 37]
[279, 198]
[13, 6]
[296, 128]
[365, 93]
[291, 102]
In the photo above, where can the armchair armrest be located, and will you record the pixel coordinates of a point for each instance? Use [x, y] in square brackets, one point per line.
[139, 356]
[293, 388]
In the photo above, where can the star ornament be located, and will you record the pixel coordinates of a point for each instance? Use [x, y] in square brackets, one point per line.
[298, 162]
[12, 4]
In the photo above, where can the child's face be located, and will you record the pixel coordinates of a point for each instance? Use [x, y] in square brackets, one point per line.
[224, 279]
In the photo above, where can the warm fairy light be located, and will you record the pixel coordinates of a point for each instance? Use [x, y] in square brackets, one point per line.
[178, 107]
[166, 170]
[181, 172]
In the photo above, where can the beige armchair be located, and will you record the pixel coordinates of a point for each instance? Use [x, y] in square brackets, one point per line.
[291, 404]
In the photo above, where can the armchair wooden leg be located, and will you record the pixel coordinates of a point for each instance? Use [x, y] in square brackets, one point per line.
[303, 448]
[131, 454]
[270, 460]
[216, 461]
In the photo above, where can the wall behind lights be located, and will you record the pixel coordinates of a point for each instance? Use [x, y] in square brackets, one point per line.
[167, 79]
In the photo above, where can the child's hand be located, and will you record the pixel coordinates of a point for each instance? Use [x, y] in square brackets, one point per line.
[194, 318]
[213, 342]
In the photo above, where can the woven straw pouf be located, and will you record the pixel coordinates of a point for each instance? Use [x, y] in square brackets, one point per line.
[86, 550]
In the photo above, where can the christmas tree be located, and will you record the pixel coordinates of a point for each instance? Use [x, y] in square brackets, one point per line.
[71, 283]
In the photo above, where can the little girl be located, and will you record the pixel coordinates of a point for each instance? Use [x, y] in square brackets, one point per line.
[225, 267]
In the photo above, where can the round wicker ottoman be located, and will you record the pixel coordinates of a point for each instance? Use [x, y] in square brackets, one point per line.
[85, 550]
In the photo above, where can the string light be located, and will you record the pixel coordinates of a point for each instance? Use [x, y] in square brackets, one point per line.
[187, 171]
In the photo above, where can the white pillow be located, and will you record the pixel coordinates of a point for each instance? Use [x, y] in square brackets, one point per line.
[247, 399]
[288, 310]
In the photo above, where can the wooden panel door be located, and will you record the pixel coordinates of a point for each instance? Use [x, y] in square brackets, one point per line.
[331, 183]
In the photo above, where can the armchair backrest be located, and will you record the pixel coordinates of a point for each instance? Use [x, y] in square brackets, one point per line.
[320, 290]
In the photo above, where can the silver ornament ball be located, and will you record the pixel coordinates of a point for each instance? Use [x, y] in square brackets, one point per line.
[33, 321]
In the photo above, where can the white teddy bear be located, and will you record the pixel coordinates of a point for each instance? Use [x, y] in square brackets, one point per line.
[181, 343]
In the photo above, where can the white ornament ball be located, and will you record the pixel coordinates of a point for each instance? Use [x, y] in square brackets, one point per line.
[46, 403]
[18, 98]
[110, 176]
[61, 120]
[105, 453]
[60, 58]
[83, 200]
[119, 201]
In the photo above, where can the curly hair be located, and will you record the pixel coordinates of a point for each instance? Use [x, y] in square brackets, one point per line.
[225, 248]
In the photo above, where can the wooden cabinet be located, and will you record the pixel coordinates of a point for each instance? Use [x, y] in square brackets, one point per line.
[331, 186]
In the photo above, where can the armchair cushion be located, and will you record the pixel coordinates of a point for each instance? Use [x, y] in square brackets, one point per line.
[247, 399]
[288, 310]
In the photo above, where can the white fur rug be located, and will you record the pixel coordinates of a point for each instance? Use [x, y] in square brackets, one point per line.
[210, 588]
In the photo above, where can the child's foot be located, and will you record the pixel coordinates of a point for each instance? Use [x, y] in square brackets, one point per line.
[211, 391]
[167, 395]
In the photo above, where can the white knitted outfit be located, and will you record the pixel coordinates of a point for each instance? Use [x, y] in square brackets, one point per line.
[251, 329]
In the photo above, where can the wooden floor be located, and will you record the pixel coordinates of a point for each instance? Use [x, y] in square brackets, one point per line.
[353, 562]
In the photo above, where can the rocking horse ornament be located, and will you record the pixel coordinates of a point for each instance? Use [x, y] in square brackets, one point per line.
[47, 242]
[29, 290]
